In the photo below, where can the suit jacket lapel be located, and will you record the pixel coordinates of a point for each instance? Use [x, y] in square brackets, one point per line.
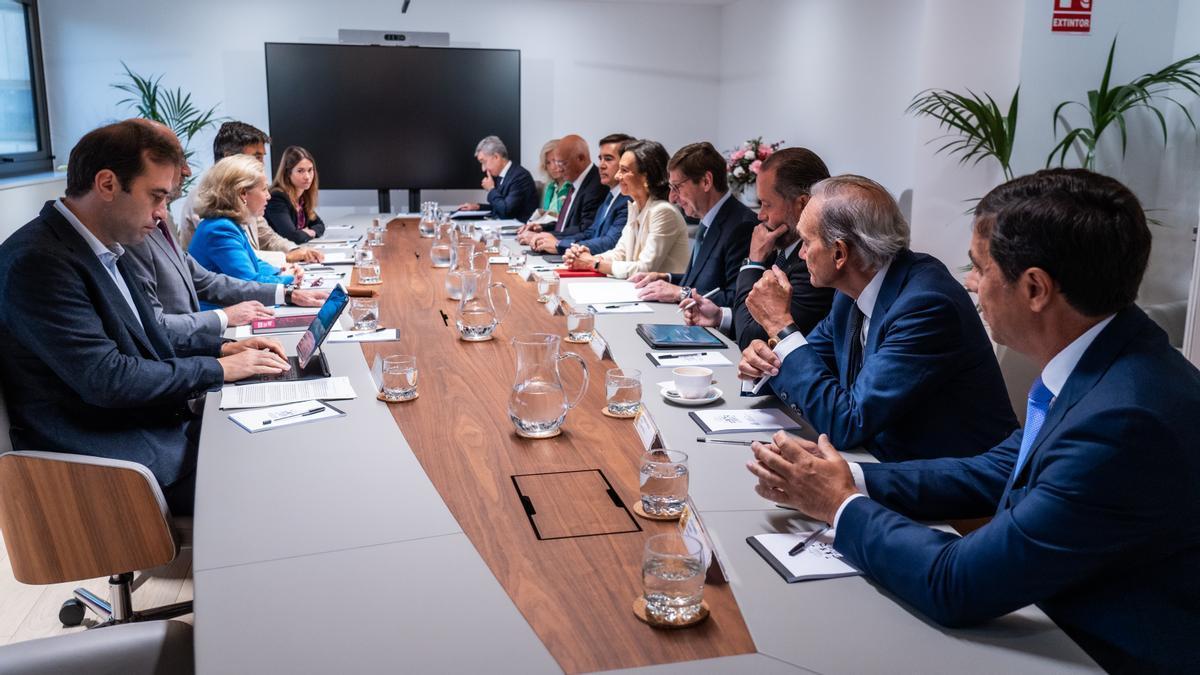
[892, 284]
[79, 248]
[711, 238]
[160, 344]
[175, 256]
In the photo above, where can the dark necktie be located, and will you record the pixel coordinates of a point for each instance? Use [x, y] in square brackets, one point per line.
[855, 353]
[696, 248]
[166, 233]
[562, 212]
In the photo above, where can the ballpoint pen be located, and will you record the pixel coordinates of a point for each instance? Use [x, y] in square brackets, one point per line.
[306, 413]
[351, 336]
[706, 295]
[808, 540]
[702, 439]
[680, 356]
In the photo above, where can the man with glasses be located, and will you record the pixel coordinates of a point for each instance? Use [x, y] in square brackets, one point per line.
[699, 186]
[605, 228]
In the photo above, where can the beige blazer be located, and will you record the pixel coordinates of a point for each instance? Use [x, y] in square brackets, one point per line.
[655, 239]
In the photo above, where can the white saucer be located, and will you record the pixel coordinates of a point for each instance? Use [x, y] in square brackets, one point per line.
[674, 397]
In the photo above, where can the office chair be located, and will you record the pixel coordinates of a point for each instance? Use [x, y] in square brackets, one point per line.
[148, 648]
[68, 517]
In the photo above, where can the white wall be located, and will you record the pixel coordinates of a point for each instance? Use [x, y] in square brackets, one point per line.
[21, 199]
[587, 67]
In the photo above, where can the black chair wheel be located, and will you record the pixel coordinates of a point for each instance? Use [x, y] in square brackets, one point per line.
[71, 613]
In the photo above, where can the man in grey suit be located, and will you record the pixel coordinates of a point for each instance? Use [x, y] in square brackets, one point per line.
[175, 283]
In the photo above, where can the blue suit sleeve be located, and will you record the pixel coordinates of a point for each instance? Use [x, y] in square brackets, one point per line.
[916, 356]
[509, 204]
[1093, 509]
[232, 255]
[604, 237]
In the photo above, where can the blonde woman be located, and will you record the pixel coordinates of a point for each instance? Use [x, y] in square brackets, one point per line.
[231, 197]
[556, 185]
[292, 211]
[655, 237]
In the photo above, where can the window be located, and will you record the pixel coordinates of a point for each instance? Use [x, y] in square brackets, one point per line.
[24, 130]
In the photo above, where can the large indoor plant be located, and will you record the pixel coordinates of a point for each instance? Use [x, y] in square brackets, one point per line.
[172, 107]
[976, 128]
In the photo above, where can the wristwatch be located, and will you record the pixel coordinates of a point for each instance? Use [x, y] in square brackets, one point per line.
[684, 293]
[596, 265]
[287, 296]
[783, 332]
[748, 261]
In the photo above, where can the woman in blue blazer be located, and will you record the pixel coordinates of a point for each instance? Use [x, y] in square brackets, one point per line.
[234, 191]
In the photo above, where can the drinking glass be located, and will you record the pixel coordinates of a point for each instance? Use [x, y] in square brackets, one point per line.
[547, 287]
[365, 313]
[664, 481]
[363, 255]
[623, 387]
[491, 240]
[368, 272]
[400, 377]
[516, 261]
[375, 233]
[673, 578]
[580, 323]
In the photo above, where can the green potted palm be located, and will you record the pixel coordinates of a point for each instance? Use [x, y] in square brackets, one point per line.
[976, 128]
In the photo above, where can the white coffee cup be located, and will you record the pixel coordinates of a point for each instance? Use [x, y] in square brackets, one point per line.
[692, 381]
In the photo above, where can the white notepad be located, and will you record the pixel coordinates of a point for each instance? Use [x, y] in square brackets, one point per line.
[587, 292]
[635, 308]
[699, 357]
[818, 560]
[279, 416]
[742, 421]
[277, 393]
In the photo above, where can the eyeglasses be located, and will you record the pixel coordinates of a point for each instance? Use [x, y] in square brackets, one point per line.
[556, 162]
[675, 186]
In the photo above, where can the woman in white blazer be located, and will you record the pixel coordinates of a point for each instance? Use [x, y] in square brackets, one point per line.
[655, 237]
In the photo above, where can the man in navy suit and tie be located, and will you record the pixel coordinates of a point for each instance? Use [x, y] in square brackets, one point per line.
[1096, 515]
[585, 192]
[85, 366]
[902, 365]
[783, 186]
[606, 225]
[511, 191]
[700, 186]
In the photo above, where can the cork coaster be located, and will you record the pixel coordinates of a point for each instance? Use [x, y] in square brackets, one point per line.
[630, 416]
[482, 339]
[639, 610]
[368, 283]
[641, 513]
[381, 397]
[522, 434]
[577, 342]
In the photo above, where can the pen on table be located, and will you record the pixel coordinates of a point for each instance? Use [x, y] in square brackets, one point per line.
[680, 356]
[702, 439]
[306, 413]
[808, 540]
[351, 336]
[620, 306]
[706, 295]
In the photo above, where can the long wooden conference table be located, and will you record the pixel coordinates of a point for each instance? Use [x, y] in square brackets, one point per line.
[394, 539]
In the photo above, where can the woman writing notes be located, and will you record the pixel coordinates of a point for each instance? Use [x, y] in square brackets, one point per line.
[232, 195]
[292, 211]
[655, 237]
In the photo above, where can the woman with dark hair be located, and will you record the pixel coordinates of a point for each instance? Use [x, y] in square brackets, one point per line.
[655, 237]
[292, 211]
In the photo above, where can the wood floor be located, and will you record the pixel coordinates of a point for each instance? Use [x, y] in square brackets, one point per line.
[31, 612]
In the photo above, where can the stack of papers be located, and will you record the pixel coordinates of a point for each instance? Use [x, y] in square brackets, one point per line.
[261, 394]
[601, 292]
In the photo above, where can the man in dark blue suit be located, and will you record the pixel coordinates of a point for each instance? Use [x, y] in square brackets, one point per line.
[784, 184]
[85, 366]
[610, 216]
[511, 190]
[1096, 515]
[902, 365]
[699, 186]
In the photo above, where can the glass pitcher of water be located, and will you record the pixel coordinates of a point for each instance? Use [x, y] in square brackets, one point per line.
[477, 316]
[429, 219]
[464, 258]
[538, 404]
[445, 237]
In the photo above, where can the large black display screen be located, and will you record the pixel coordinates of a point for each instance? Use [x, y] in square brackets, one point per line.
[392, 117]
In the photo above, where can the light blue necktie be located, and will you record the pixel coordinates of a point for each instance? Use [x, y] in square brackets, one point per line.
[608, 200]
[1035, 415]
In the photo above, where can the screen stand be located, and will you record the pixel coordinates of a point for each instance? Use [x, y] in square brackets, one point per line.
[414, 201]
[385, 201]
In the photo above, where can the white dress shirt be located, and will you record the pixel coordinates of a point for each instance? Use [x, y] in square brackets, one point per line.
[1054, 376]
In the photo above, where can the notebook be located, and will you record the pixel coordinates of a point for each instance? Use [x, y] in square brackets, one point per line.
[673, 336]
[818, 560]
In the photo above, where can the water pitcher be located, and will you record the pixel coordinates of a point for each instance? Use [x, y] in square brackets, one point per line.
[445, 237]
[464, 258]
[538, 404]
[477, 315]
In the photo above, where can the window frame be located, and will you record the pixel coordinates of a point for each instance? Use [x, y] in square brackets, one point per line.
[42, 159]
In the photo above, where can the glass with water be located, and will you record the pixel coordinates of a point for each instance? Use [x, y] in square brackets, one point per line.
[673, 578]
[364, 312]
[429, 219]
[375, 233]
[368, 271]
[664, 482]
[547, 287]
[400, 377]
[441, 253]
[580, 323]
[623, 387]
[516, 261]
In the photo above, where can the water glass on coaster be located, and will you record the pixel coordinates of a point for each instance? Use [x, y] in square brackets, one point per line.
[672, 582]
[580, 323]
[623, 387]
[547, 286]
[491, 240]
[664, 484]
[368, 271]
[516, 261]
[399, 378]
[365, 312]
